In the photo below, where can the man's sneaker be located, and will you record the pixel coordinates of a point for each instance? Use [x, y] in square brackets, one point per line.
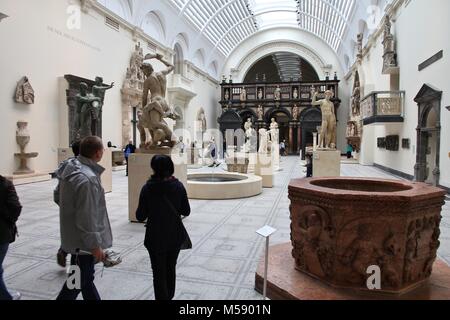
[61, 258]
[16, 296]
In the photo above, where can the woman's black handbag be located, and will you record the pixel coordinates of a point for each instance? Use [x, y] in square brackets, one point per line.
[187, 243]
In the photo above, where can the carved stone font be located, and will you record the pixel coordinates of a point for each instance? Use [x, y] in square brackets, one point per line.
[343, 226]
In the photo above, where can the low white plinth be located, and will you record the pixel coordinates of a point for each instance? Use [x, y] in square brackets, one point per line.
[139, 172]
[245, 186]
[326, 163]
[264, 169]
[21, 179]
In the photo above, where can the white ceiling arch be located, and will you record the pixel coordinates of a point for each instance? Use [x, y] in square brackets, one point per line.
[226, 23]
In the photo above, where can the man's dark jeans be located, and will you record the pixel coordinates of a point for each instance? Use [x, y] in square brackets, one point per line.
[88, 290]
[4, 294]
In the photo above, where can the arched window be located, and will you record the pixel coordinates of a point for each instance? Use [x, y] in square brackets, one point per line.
[178, 59]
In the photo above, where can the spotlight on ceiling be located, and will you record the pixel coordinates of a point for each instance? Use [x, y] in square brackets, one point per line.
[3, 16]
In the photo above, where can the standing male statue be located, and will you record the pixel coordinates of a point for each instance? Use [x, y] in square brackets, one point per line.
[86, 113]
[155, 107]
[99, 90]
[328, 131]
[356, 99]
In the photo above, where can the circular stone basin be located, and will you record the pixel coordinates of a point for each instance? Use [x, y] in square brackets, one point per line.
[223, 186]
[362, 185]
[343, 227]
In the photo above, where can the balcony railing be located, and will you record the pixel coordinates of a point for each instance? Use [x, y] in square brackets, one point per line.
[383, 107]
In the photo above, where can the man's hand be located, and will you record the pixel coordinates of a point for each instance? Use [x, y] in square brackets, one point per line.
[159, 56]
[112, 84]
[98, 254]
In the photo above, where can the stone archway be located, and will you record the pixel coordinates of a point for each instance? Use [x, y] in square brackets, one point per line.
[428, 135]
[310, 119]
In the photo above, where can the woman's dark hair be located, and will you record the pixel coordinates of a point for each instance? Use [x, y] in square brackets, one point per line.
[163, 167]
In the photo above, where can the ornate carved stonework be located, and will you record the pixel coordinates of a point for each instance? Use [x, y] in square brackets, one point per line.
[389, 56]
[132, 92]
[359, 54]
[342, 226]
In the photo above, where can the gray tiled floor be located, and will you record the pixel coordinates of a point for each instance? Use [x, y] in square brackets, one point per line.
[221, 266]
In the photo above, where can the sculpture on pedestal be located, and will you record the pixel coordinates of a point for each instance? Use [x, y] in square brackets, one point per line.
[24, 92]
[356, 99]
[295, 94]
[22, 139]
[155, 110]
[328, 128]
[250, 136]
[274, 132]
[260, 94]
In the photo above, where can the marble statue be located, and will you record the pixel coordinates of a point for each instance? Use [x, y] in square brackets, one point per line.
[277, 94]
[263, 141]
[328, 128]
[227, 95]
[24, 92]
[260, 94]
[249, 134]
[356, 99]
[243, 94]
[389, 55]
[87, 113]
[260, 113]
[155, 110]
[295, 112]
[295, 94]
[274, 132]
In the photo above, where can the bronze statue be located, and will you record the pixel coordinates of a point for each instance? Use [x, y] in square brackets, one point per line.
[328, 133]
[155, 110]
[86, 113]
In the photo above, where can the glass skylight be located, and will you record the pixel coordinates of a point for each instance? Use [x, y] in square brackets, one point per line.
[226, 23]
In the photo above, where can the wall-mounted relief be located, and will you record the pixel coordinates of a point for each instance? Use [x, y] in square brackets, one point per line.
[381, 143]
[24, 92]
[392, 143]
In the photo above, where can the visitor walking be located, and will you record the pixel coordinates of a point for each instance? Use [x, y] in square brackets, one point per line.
[162, 202]
[10, 210]
[85, 226]
[129, 149]
[61, 256]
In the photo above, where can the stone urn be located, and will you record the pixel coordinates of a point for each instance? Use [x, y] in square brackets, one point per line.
[344, 228]
[22, 135]
[23, 138]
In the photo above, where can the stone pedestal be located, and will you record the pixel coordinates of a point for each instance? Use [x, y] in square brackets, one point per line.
[107, 175]
[66, 153]
[287, 283]
[264, 169]
[276, 157]
[326, 163]
[21, 179]
[139, 172]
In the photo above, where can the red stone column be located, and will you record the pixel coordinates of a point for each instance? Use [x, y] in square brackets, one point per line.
[291, 137]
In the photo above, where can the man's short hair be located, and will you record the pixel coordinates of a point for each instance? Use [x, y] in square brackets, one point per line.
[90, 146]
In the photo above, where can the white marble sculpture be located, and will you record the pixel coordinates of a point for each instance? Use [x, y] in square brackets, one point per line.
[263, 141]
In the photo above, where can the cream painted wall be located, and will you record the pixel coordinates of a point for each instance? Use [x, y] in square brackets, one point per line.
[285, 37]
[38, 44]
[419, 32]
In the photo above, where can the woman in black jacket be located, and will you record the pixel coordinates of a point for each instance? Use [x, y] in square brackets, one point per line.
[162, 202]
[10, 209]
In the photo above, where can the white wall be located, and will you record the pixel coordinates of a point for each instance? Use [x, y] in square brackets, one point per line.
[420, 32]
[315, 50]
[37, 43]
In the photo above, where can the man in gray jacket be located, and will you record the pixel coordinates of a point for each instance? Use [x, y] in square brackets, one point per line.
[85, 227]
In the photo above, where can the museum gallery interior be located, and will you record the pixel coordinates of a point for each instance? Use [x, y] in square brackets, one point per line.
[311, 137]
